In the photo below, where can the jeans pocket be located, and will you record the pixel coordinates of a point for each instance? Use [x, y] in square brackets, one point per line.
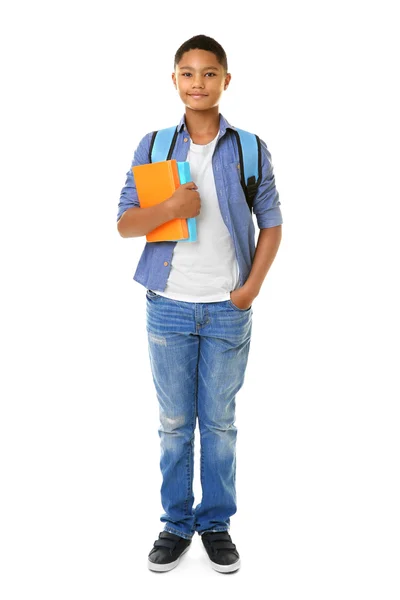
[150, 295]
[239, 309]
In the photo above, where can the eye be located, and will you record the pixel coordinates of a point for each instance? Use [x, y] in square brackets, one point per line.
[184, 74]
[210, 73]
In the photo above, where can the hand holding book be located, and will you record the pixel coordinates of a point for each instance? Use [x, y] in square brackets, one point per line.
[169, 182]
[185, 201]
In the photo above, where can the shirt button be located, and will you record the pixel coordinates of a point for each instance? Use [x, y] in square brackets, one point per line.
[238, 166]
[185, 139]
[166, 264]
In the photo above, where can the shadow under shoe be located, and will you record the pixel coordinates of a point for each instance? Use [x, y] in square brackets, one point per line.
[221, 551]
[167, 551]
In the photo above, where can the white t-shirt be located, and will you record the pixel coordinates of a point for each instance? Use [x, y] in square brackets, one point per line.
[205, 270]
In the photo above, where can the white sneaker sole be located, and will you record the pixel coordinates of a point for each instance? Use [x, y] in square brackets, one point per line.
[223, 568]
[165, 567]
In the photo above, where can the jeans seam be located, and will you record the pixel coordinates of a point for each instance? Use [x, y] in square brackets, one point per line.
[188, 477]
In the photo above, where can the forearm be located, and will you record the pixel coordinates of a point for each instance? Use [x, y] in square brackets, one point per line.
[136, 221]
[266, 250]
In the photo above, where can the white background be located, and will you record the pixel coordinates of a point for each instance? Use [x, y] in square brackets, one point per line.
[318, 419]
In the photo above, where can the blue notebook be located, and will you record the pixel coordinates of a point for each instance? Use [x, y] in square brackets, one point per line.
[184, 177]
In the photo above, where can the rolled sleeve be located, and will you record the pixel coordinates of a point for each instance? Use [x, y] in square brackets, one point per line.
[266, 204]
[128, 197]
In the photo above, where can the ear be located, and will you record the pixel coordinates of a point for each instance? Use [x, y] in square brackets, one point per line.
[228, 77]
[174, 79]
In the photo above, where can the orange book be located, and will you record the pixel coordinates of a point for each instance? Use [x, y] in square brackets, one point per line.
[155, 183]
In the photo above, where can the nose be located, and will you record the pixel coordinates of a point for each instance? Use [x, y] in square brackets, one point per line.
[197, 82]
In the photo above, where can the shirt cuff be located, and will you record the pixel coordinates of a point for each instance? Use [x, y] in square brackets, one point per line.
[271, 218]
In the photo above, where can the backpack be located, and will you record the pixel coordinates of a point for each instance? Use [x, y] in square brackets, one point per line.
[249, 148]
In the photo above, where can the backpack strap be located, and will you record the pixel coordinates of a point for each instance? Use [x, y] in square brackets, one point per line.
[162, 144]
[249, 148]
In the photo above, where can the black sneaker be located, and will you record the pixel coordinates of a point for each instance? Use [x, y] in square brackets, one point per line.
[167, 551]
[221, 551]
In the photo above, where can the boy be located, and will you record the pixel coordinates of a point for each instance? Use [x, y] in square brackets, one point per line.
[199, 306]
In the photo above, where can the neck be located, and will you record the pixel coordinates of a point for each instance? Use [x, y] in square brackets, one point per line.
[202, 122]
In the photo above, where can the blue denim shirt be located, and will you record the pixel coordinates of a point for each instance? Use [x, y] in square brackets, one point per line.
[155, 262]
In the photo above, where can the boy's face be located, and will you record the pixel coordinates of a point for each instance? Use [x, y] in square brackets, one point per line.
[200, 79]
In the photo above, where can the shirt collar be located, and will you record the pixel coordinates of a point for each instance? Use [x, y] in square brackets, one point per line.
[223, 124]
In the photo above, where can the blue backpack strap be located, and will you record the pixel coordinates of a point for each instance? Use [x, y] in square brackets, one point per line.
[162, 144]
[249, 148]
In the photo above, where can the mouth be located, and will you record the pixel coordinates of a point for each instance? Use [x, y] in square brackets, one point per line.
[198, 95]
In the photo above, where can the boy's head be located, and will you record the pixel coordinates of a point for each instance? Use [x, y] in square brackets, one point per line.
[203, 42]
[201, 72]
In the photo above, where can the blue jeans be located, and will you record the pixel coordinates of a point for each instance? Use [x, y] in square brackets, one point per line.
[198, 356]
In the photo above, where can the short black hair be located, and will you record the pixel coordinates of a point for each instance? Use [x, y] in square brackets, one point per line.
[203, 42]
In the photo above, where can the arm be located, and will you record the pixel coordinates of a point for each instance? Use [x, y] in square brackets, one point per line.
[183, 204]
[266, 207]
[133, 221]
[266, 250]
[138, 221]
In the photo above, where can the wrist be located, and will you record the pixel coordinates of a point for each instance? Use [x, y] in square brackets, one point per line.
[250, 290]
[169, 209]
